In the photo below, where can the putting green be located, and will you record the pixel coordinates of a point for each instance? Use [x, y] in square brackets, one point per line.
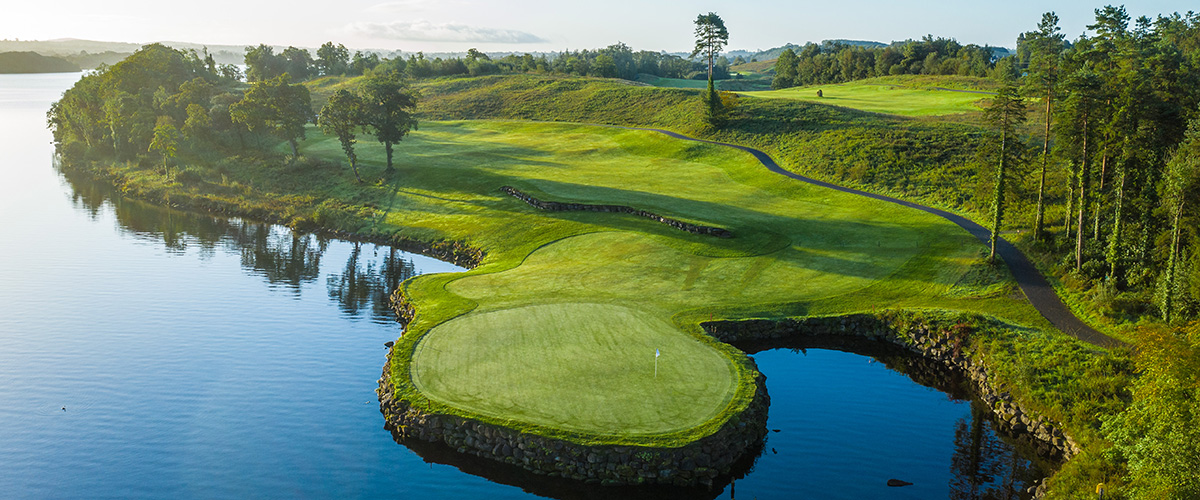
[577, 367]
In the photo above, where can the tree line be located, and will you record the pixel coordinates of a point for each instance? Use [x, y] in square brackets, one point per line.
[1120, 113]
[1120, 117]
[615, 61]
[838, 62]
[160, 104]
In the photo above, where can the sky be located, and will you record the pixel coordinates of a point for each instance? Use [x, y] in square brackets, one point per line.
[543, 25]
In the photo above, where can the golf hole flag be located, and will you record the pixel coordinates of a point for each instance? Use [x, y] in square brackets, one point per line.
[655, 362]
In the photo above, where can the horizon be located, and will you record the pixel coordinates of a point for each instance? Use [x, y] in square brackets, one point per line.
[457, 25]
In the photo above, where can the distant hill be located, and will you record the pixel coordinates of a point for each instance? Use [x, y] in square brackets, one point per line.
[857, 43]
[766, 55]
[32, 62]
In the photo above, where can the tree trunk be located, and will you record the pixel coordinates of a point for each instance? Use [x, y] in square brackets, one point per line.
[1114, 241]
[295, 149]
[354, 167]
[387, 146]
[998, 197]
[1169, 292]
[1099, 193]
[1083, 183]
[1070, 205]
[711, 55]
[1039, 221]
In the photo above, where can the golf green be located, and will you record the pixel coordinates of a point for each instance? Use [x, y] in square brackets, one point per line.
[593, 368]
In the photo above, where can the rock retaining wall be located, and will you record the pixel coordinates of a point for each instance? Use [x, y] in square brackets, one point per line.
[555, 206]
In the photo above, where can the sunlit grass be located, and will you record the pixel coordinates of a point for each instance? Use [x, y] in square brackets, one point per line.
[896, 96]
[613, 286]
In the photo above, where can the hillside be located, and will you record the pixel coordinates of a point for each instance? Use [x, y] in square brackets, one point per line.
[915, 158]
[32, 62]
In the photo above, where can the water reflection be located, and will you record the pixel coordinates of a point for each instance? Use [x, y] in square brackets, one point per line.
[285, 259]
[984, 466]
[983, 463]
[365, 282]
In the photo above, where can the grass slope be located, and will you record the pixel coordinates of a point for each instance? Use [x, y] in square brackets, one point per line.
[935, 160]
[754, 82]
[597, 279]
[904, 97]
[552, 281]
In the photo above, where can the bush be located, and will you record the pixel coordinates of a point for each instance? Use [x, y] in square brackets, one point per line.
[189, 176]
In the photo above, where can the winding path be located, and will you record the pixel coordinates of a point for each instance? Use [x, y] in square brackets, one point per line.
[1039, 291]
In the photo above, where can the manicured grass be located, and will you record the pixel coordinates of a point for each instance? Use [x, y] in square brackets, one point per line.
[567, 276]
[576, 366]
[558, 284]
[883, 96]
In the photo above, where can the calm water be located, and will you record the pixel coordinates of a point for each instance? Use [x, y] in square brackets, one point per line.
[200, 357]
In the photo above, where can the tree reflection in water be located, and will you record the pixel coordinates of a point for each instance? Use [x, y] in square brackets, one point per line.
[984, 466]
[284, 258]
[367, 285]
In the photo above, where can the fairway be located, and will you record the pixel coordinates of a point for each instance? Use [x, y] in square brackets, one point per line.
[883, 98]
[575, 366]
[554, 331]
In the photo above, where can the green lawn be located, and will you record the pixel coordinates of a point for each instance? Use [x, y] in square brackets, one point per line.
[576, 366]
[554, 331]
[890, 96]
[556, 328]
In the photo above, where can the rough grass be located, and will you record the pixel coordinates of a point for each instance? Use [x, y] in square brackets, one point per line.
[748, 82]
[904, 97]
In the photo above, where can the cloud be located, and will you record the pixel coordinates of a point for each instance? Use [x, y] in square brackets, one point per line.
[425, 31]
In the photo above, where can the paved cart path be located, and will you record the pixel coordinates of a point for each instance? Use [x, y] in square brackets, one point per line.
[1039, 291]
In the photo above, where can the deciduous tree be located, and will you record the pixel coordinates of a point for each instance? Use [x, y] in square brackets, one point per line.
[388, 107]
[165, 143]
[333, 59]
[1182, 186]
[278, 107]
[341, 117]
